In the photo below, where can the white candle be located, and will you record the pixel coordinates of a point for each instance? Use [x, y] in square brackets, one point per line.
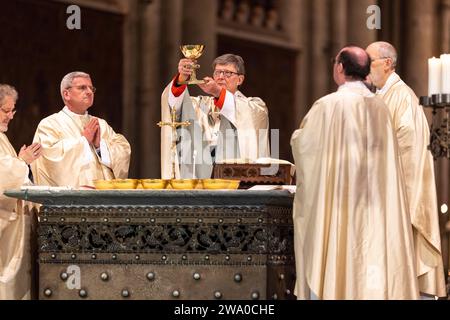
[434, 76]
[445, 61]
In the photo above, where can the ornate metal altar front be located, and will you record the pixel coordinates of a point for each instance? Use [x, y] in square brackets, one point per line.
[169, 244]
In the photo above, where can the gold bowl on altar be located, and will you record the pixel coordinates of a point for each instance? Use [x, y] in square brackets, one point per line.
[183, 184]
[220, 184]
[104, 184]
[125, 183]
[154, 183]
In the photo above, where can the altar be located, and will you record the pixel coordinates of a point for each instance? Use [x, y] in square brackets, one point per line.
[164, 244]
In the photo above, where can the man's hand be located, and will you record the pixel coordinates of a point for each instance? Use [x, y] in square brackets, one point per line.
[185, 69]
[30, 153]
[211, 87]
[90, 131]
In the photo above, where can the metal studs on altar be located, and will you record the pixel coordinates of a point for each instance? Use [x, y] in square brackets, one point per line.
[255, 295]
[94, 256]
[151, 276]
[281, 276]
[125, 293]
[196, 276]
[104, 276]
[218, 295]
[53, 256]
[114, 257]
[176, 294]
[64, 276]
[82, 293]
[48, 292]
[73, 256]
[237, 277]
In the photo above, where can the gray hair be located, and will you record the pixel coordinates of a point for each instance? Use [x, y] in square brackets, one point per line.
[66, 82]
[233, 59]
[8, 91]
[387, 50]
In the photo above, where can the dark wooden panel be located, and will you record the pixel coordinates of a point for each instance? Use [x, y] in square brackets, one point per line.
[37, 50]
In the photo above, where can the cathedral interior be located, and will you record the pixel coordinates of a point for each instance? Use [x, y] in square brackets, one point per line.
[131, 50]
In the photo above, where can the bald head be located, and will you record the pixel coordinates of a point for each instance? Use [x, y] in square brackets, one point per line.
[383, 50]
[355, 62]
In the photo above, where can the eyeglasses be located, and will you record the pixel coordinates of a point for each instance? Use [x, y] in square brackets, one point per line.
[8, 113]
[84, 88]
[382, 58]
[225, 73]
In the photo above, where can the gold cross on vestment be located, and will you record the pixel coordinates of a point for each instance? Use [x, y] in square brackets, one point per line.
[174, 125]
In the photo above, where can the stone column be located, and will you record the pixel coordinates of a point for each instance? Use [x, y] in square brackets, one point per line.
[339, 32]
[199, 27]
[320, 49]
[171, 26]
[295, 14]
[149, 90]
[358, 33]
[421, 23]
[130, 78]
[443, 168]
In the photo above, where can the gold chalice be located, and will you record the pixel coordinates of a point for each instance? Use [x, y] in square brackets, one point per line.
[193, 52]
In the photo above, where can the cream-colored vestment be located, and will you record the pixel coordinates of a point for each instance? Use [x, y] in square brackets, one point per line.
[240, 130]
[413, 136]
[68, 159]
[15, 264]
[352, 229]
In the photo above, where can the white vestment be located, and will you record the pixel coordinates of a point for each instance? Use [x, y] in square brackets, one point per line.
[15, 264]
[413, 135]
[240, 130]
[352, 229]
[69, 160]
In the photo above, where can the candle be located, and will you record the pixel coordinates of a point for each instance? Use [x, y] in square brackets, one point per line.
[434, 76]
[445, 61]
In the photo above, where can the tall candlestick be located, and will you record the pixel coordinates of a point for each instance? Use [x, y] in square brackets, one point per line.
[434, 76]
[445, 61]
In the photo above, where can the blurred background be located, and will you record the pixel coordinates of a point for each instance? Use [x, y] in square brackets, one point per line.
[131, 50]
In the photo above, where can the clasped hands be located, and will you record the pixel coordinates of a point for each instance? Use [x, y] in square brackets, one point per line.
[92, 132]
[30, 153]
[185, 69]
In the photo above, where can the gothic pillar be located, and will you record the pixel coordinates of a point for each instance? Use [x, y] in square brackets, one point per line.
[296, 12]
[358, 32]
[149, 90]
[320, 49]
[171, 26]
[421, 24]
[443, 168]
[199, 27]
[130, 75]
[338, 29]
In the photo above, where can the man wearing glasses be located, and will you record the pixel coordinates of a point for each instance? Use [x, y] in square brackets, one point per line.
[15, 281]
[79, 148]
[225, 124]
[413, 135]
